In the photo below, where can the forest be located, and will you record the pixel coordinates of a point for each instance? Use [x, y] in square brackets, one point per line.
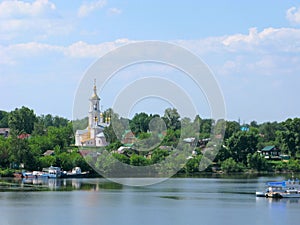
[156, 137]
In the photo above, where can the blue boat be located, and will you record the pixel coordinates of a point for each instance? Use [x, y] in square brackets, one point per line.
[282, 189]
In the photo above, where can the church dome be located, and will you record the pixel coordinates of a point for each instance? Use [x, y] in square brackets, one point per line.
[95, 96]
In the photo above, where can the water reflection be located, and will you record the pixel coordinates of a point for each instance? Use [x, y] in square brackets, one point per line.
[45, 184]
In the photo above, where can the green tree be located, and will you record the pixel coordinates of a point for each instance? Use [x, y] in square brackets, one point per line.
[171, 118]
[121, 158]
[230, 165]
[20, 153]
[289, 138]
[22, 120]
[257, 162]
[61, 136]
[140, 123]
[4, 152]
[241, 143]
[231, 128]
[3, 119]
[158, 155]
[138, 160]
[192, 165]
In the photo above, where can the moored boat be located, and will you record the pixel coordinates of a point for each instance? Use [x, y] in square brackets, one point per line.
[75, 173]
[284, 189]
[51, 172]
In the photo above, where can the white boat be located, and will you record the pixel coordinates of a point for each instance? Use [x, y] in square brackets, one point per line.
[284, 189]
[51, 172]
[75, 173]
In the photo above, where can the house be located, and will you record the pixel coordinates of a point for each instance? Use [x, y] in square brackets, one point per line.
[270, 152]
[4, 132]
[24, 136]
[48, 153]
[128, 138]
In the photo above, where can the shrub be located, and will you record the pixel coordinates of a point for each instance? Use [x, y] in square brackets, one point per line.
[229, 166]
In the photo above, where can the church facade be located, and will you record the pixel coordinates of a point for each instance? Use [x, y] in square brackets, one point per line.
[93, 135]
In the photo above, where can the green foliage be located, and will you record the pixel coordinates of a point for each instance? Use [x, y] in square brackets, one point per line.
[140, 123]
[80, 124]
[289, 137]
[230, 165]
[21, 120]
[241, 143]
[121, 158]
[192, 165]
[257, 162]
[171, 118]
[46, 161]
[158, 155]
[3, 119]
[171, 138]
[238, 149]
[113, 145]
[4, 153]
[138, 160]
[6, 172]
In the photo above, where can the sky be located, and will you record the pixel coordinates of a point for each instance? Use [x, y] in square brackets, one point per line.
[251, 47]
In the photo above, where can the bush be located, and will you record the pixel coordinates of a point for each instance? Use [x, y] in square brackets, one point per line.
[6, 172]
[257, 162]
[229, 166]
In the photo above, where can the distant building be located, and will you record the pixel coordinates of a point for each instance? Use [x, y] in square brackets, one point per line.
[4, 132]
[93, 135]
[24, 136]
[48, 153]
[270, 152]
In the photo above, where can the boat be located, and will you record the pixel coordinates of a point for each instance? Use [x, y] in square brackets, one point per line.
[283, 189]
[75, 173]
[50, 172]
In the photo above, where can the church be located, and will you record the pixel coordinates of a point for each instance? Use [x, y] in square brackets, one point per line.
[93, 135]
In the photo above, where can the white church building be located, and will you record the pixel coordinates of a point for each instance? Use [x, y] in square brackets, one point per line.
[93, 135]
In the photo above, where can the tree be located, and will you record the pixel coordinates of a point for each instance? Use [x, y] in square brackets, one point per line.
[268, 131]
[60, 136]
[158, 155]
[257, 162]
[242, 143]
[140, 123]
[231, 128]
[171, 118]
[289, 138]
[20, 153]
[230, 165]
[138, 160]
[22, 120]
[4, 152]
[3, 119]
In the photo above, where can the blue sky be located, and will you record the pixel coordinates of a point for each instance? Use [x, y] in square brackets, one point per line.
[252, 47]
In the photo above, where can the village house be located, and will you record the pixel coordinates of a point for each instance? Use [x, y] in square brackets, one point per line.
[270, 152]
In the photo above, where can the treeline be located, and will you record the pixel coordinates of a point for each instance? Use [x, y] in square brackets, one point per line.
[30, 136]
[156, 137]
[237, 153]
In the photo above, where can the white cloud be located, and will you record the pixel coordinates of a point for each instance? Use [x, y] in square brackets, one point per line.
[266, 52]
[12, 53]
[84, 50]
[270, 39]
[28, 21]
[293, 15]
[114, 11]
[86, 8]
[21, 9]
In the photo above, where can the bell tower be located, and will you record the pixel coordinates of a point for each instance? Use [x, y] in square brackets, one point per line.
[94, 112]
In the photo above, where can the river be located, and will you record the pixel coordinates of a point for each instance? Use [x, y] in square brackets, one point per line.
[186, 201]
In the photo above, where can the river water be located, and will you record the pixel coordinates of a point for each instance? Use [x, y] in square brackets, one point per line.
[186, 201]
